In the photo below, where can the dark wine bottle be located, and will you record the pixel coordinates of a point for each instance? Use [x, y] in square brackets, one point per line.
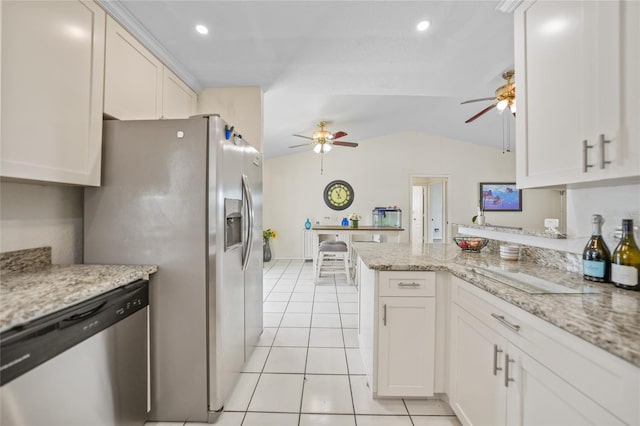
[596, 258]
[625, 262]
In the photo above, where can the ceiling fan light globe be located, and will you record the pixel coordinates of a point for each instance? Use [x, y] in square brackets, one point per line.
[512, 107]
[317, 148]
[502, 105]
[327, 147]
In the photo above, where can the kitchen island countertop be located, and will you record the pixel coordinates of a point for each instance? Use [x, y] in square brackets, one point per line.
[609, 319]
[28, 295]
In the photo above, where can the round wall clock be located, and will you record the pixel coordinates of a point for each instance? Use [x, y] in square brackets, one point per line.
[338, 195]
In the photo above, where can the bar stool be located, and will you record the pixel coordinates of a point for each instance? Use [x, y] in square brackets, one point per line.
[333, 251]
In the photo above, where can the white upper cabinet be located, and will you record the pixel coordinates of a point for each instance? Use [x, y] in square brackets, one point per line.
[178, 100]
[133, 77]
[52, 85]
[574, 61]
[137, 85]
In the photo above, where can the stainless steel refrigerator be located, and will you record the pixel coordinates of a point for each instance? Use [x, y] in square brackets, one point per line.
[185, 195]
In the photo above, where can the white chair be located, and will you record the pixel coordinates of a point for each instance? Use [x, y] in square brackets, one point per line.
[333, 257]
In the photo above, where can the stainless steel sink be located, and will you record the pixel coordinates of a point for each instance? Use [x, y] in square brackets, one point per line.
[529, 283]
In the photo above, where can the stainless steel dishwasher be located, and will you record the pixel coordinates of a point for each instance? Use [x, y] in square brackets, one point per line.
[84, 365]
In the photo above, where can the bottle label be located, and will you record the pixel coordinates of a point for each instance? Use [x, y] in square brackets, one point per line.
[622, 274]
[593, 268]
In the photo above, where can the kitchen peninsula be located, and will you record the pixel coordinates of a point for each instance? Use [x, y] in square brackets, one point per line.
[578, 353]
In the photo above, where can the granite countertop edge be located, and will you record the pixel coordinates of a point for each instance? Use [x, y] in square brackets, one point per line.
[29, 295]
[620, 339]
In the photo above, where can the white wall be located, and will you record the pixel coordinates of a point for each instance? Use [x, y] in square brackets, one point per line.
[38, 215]
[379, 171]
[239, 106]
[614, 203]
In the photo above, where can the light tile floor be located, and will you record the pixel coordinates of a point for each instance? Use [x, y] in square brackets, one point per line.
[307, 369]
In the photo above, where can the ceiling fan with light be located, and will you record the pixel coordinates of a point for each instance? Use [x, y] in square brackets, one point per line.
[505, 97]
[322, 139]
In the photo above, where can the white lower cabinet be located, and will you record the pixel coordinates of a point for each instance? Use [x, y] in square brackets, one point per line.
[397, 331]
[537, 396]
[509, 369]
[477, 395]
[406, 333]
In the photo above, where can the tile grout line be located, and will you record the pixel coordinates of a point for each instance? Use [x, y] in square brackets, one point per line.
[306, 360]
[346, 359]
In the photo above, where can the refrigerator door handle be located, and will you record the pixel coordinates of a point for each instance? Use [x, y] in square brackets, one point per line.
[248, 247]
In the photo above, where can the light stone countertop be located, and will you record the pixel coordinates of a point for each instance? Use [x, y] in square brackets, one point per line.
[25, 296]
[610, 319]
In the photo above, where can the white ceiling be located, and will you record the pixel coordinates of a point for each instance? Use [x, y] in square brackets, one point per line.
[362, 65]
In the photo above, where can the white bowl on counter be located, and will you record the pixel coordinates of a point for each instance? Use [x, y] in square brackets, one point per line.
[509, 252]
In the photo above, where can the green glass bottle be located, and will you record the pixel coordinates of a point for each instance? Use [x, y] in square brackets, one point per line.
[625, 262]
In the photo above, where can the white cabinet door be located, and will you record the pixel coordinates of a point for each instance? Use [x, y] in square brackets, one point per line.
[366, 319]
[307, 244]
[178, 100]
[536, 396]
[52, 81]
[569, 92]
[477, 371]
[406, 354]
[133, 77]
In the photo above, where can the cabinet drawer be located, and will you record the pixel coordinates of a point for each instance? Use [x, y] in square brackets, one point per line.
[407, 283]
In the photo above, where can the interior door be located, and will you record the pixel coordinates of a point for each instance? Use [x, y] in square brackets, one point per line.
[417, 214]
[436, 211]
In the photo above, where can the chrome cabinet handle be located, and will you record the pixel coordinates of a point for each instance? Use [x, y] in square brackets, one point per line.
[585, 147]
[496, 351]
[509, 325]
[384, 314]
[603, 141]
[507, 379]
[408, 284]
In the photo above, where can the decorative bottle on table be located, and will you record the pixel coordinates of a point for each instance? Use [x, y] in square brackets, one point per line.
[307, 224]
[625, 261]
[596, 258]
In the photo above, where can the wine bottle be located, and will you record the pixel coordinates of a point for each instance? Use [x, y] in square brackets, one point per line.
[625, 262]
[596, 257]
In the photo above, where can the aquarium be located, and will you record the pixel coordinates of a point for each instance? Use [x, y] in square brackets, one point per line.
[387, 216]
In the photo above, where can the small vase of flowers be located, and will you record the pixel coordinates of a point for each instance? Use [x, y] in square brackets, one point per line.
[354, 218]
[267, 234]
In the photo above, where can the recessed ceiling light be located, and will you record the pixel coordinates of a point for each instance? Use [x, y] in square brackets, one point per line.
[423, 25]
[202, 29]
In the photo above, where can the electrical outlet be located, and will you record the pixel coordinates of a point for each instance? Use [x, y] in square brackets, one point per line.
[551, 223]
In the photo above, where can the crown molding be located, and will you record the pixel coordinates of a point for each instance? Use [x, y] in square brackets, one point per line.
[508, 6]
[120, 13]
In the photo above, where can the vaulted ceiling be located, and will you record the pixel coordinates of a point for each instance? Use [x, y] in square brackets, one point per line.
[362, 65]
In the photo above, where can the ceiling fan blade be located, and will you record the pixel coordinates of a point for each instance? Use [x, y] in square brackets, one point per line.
[349, 144]
[298, 146]
[478, 100]
[481, 113]
[304, 137]
[338, 135]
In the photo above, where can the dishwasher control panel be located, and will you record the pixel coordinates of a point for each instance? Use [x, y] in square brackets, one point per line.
[26, 346]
